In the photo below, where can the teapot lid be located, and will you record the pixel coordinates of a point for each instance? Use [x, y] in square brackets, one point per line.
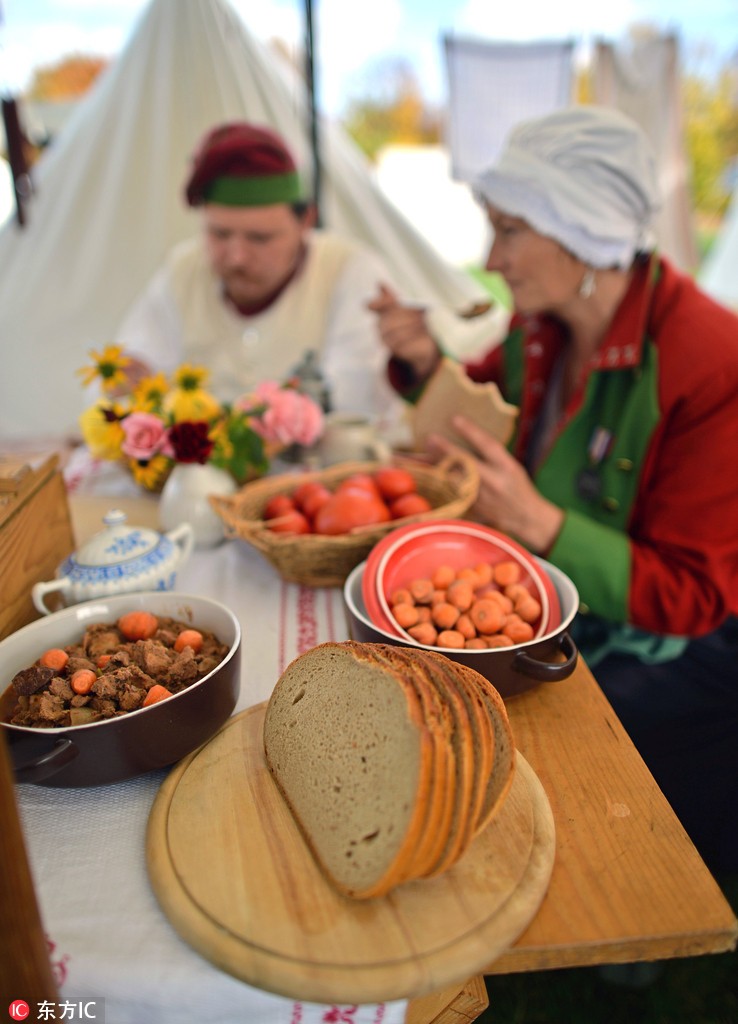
[117, 542]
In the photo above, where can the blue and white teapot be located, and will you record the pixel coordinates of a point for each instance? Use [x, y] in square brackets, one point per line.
[117, 560]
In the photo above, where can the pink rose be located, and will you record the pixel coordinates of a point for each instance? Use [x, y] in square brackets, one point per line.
[145, 436]
[290, 417]
[282, 415]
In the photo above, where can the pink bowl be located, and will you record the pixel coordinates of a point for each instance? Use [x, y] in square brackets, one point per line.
[415, 551]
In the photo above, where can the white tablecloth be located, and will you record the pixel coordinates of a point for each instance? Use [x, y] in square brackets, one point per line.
[108, 938]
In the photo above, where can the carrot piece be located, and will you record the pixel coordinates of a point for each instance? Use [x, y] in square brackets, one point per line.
[54, 658]
[443, 576]
[460, 594]
[402, 596]
[405, 615]
[476, 643]
[487, 616]
[422, 591]
[517, 593]
[501, 599]
[83, 680]
[498, 640]
[424, 633]
[444, 615]
[155, 694]
[484, 572]
[518, 631]
[138, 625]
[465, 626]
[450, 638]
[506, 573]
[471, 576]
[103, 660]
[529, 609]
[189, 638]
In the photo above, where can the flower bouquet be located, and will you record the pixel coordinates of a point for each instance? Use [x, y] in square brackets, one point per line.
[157, 423]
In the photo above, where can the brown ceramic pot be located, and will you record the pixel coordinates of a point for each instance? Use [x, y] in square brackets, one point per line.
[129, 745]
[511, 670]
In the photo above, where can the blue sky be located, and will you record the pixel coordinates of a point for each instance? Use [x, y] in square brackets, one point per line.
[352, 36]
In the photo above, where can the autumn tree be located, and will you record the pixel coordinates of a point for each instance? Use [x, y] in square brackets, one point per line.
[392, 111]
[68, 79]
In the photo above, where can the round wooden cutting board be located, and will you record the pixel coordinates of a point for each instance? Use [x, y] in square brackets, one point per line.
[233, 874]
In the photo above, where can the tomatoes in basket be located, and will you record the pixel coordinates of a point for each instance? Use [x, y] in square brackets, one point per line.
[348, 509]
[409, 505]
[360, 483]
[278, 505]
[393, 482]
[314, 500]
[291, 522]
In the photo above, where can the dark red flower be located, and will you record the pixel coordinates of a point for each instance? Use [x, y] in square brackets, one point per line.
[190, 441]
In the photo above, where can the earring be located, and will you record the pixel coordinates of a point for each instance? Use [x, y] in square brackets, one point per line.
[587, 287]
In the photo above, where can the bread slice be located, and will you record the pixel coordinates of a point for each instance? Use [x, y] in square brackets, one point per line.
[451, 391]
[346, 741]
[501, 778]
[441, 807]
[483, 737]
[462, 741]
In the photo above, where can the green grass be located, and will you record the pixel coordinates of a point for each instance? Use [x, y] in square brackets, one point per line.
[693, 990]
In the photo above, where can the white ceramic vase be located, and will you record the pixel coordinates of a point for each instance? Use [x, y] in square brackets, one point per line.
[184, 499]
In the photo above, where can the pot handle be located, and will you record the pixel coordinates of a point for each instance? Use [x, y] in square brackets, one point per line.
[39, 590]
[184, 537]
[63, 751]
[546, 670]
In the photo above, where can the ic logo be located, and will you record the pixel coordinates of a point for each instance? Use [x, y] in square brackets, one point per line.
[19, 1009]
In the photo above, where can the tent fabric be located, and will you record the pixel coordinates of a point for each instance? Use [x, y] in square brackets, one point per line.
[719, 272]
[493, 86]
[643, 81]
[109, 203]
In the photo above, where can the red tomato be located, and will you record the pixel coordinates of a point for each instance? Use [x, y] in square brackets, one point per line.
[346, 510]
[314, 500]
[291, 522]
[304, 490]
[278, 506]
[409, 505]
[393, 482]
[359, 483]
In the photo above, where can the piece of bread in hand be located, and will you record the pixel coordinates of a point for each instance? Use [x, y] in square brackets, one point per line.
[448, 392]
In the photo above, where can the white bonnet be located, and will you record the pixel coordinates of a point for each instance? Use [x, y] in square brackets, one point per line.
[584, 176]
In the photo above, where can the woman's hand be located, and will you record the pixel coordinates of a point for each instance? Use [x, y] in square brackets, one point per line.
[507, 499]
[403, 330]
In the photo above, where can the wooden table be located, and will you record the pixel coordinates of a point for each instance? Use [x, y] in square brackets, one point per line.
[627, 884]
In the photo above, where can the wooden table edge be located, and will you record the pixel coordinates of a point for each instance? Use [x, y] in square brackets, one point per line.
[531, 958]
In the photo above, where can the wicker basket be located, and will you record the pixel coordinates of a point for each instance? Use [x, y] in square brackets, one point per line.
[320, 561]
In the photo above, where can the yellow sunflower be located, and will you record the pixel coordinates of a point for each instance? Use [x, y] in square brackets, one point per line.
[152, 474]
[190, 400]
[102, 431]
[150, 393]
[108, 366]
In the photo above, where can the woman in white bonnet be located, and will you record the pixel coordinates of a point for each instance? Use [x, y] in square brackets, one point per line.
[622, 469]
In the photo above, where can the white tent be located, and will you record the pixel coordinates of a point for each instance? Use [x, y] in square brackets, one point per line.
[719, 272]
[109, 204]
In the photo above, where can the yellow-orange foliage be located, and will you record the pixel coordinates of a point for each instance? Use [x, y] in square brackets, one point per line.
[67, 79]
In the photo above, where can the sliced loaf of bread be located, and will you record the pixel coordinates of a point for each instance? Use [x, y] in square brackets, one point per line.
[391, 760]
